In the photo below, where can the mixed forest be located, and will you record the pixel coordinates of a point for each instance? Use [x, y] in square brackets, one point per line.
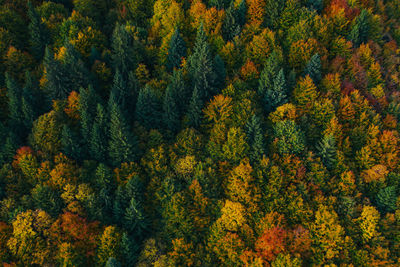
[200, 133]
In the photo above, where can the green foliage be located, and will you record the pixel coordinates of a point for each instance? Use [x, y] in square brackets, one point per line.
[290, 139]
[360, 29]
[40, 37]
[148, 108]
[313, 68]
[176, 51]
[326, 149]
[386, 199]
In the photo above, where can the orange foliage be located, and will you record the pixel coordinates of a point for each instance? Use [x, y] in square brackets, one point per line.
[271, 243]
[72, 107]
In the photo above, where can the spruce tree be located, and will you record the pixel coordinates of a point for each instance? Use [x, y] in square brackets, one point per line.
[268, 75]
[220, 72]
[360, 30]
[176, 51]
[88, 102]
[326, 149]
[77, 75]
[200, 66]
[148, 108]
[16, 116]
[56, 85]
[313, 68]
[272, 87]
[171, 110]
[112, 262]
[230, 28]
[255, 138]
[122, 144]
[129, 250]
[71, 143]
[241, 13]
[99, 136]
[316, 5]
[134, 219]
[40, 36]
[177, 85]
[121, 93]
[195, 109]
[31, 104]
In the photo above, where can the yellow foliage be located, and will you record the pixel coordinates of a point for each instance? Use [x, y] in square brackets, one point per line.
[368, 222]
[376, 174]
[285, 112]
[233, 216]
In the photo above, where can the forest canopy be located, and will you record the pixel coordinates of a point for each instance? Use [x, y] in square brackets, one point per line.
[200, 133]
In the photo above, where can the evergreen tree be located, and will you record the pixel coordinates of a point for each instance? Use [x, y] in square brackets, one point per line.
[273, 88]
[195, 109]
[105, 185]
[134, 219]
[170, 109]
[200, 67]
[273, 10]
[386, 199]
[266, 82]
[56, 86]
[326, 149]
[71, 143]
[47, 199]
[176, 51]
[255, 138]
[99, 136]
[31, 105]
[129, 250]
[360, 30]
[241, 13]
[317, 5]
[16, 116]
[177, 85]
[40, 36]
[290, 139]
[220, 72]
[124, 57]
[122, 144]
[148, 108]
[87, 102]
[231, 27]
[112, 262]
[121, 93]
[313, 68]
[77, 75]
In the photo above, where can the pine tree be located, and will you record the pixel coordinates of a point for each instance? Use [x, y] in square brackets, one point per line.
[178, 86]
[121, 93]
[148, 108]
[255, 138]
[71, 144]
[195, 109]
[200, 66]
[99, 136]
[360, 30]
[176, 51]
[77, 75]
[230, 28]
[122, 144]
[313, 68]
[386, 199]
[170, 109]
[326, 149]
[40, 36]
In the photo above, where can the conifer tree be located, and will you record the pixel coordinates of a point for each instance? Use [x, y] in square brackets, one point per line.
[71, 143]
[255, 138]
[176, 51]
[122, 144]
[266, 83]
[123, 55]
[134, 219]
[170, 109]
[313, 68]
[88, 102]
[230, 28]
[112, 262]
[148, 108]
[99, 136]
[40, 36]
[195, 109]
[241, 13]
[16, 116]
[56, 76]
[31, 105]
[178, 86]
[129, 250]
[220, 72]
[360, 30]
[77, 75]
[316, 5]
[326, 149]
[200, 67]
